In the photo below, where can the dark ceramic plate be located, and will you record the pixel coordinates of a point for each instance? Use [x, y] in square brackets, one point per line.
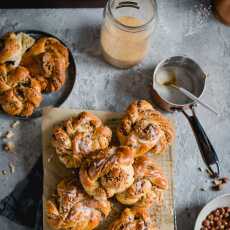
[54, 99]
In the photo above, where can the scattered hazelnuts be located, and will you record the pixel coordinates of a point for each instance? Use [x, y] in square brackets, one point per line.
[217, 219]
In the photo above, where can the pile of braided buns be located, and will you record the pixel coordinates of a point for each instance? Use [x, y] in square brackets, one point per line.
[124, 172]
[29, 68]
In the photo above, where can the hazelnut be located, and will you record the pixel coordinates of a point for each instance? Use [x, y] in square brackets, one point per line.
[211, 217]
[9, 147]
[206, 223]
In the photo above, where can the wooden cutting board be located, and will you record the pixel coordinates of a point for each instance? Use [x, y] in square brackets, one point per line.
[54, 171]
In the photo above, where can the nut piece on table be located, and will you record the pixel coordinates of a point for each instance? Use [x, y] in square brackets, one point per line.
[9, 134]
[15, 124]
[218, 183]
[4, 172]
[9, 147]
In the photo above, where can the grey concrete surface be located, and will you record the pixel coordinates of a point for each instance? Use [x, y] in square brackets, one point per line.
[185, 27]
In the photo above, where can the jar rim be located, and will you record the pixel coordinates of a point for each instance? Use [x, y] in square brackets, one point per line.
[132, 28]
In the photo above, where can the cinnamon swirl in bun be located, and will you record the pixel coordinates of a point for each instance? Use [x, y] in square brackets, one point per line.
[108, 172]
[78, 137]
[143, 129]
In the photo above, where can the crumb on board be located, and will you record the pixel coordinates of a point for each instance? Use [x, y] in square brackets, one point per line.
[9, 147]
[15, 124]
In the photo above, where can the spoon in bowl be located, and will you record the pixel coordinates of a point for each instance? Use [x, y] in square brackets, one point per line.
[170, 81]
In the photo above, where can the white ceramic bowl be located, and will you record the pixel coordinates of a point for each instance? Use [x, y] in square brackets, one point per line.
[219, 202]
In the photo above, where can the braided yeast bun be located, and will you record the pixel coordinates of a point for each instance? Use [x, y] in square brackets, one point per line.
[108, 172]
[135, 218]
[78, 137]
[13, 46]
[72, 209]
[148, 186]
[144, 129]
[47, 61]
[19, 93]
[10, 47]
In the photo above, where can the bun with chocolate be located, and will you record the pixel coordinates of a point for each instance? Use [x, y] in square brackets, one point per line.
[20, 95]
[47, 61]
[13, 46]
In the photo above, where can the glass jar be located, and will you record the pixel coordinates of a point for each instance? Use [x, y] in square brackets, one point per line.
[126, 31]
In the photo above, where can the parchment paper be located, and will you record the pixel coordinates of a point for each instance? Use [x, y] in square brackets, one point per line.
[54, 171]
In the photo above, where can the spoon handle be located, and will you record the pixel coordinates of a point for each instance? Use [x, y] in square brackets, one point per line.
[191, 96]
